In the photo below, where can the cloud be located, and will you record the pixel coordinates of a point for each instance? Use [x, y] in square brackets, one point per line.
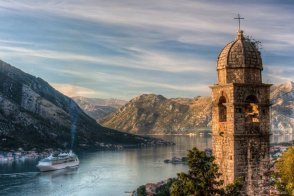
[75, 90]
[279, 73]
[146, 60]
[188, 15]
[186, 21]
[133, 82]
[276, 78]
[169, 46]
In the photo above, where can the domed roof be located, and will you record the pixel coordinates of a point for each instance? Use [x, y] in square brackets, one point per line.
[240, 53]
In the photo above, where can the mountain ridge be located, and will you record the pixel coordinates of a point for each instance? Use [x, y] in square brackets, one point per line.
[98, 108]
[35, 115]
[282, 99]
[155, 114]
[177, 115]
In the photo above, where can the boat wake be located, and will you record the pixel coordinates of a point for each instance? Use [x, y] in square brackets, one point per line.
[21, 174]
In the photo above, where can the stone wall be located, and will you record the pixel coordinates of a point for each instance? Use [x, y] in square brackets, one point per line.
[241, 148]
[223, 132]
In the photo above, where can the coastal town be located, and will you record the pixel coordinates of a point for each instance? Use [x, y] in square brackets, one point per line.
[22, 155]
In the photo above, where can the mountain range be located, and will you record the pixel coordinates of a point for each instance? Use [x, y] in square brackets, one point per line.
[155, 114]
[35, 115]
[98, 108]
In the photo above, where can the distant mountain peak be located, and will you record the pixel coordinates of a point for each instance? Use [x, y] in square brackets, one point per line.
[98, 108]
[151, 96]
[289, 85]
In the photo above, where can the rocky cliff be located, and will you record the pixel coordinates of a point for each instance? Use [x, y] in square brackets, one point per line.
[154, 114]
[283, 108]
[33, 114]
[98, 108]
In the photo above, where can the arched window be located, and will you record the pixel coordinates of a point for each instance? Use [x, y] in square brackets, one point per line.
[251, 109]
[222, 109]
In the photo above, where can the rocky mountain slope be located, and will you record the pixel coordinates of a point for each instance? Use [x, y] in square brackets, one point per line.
[33, 114]
[283, 108]
[98, 108]
[154, 114]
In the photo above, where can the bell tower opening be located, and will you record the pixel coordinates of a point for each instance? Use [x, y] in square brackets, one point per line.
[251, 109]
[222, 109]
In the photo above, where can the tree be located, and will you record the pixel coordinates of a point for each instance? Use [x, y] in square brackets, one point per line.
[256, 43]
[202, 178]
[141, 191]
[233, 189]
[285, 172]
[164, 189]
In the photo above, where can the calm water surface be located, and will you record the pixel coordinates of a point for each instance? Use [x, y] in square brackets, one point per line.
[102, 173]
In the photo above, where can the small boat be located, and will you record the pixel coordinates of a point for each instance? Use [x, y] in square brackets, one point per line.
[61, 161]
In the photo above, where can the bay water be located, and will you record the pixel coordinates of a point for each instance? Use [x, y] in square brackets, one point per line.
[105, 173]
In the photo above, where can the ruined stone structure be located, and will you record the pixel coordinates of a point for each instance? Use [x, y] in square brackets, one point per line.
[241, 117]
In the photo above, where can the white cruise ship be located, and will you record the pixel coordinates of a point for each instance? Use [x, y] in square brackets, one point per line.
[61, 161]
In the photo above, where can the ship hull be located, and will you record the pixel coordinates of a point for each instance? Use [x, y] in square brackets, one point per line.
[50, 167]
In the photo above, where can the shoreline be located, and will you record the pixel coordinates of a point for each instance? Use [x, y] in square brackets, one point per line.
[177, 134]
[8, 155]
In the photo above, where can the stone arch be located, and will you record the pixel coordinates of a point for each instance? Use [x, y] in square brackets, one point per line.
[222, 109]
[251, 109]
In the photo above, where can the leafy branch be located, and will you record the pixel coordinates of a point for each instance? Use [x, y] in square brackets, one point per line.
[256, 43]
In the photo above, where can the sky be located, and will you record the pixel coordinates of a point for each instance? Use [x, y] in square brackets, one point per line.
[124, 48]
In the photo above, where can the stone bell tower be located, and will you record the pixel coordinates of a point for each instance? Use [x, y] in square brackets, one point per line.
[241, 117]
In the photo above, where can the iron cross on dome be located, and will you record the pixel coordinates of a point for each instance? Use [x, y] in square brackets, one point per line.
[239, 19]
